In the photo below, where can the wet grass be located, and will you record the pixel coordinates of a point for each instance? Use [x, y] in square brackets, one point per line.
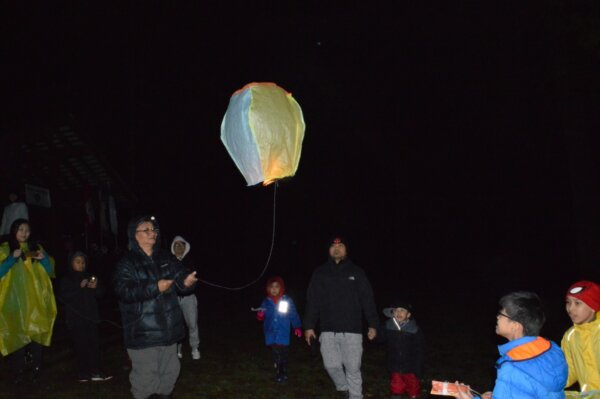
[236, 364]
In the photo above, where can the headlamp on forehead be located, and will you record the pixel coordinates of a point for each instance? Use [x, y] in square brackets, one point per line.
[283, 307]
[149, 218]
[576, 290]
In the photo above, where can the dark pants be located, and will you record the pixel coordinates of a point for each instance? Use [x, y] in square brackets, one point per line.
[86, 343]
[19, 357]
[280, 354]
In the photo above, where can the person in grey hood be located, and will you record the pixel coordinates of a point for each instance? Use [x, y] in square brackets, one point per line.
[189, 303]
[147, 283]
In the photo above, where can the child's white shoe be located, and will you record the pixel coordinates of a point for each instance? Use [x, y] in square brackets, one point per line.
[195, 354]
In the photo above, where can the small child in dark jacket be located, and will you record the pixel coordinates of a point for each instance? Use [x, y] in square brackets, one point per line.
[278, 312]
[78, 292]
[404, 349]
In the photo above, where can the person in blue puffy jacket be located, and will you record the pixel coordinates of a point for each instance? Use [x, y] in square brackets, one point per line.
[529, 367]
[278, 314]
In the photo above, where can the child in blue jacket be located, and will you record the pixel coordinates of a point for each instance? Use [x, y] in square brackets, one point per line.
[278, 312]
[529, 367]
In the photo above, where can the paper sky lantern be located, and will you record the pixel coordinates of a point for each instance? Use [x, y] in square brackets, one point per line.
[263, 130]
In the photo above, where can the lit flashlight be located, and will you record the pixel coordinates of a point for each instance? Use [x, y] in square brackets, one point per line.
[283, 306]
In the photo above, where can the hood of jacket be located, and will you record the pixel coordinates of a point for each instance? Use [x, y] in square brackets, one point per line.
[409, 326]
[188, 247]
[278, 280]
[75, 255]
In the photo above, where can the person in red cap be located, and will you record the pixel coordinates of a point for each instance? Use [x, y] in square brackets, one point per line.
[339, 295]
[581, 343]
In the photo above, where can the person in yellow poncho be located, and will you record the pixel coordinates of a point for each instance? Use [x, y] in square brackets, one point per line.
[581, 343]
[27, 304]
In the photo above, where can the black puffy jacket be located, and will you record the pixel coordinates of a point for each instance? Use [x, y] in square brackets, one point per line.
[80, 303]
[150, 318]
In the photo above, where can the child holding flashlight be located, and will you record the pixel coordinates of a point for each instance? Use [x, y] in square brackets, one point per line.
[278, 314]
[78, 292]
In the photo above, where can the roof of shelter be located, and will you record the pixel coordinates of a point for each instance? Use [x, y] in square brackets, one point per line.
[60, 159]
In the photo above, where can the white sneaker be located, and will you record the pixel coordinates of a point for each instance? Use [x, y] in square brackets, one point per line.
[195, 354]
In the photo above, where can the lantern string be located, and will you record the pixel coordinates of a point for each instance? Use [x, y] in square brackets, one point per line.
[268, 257]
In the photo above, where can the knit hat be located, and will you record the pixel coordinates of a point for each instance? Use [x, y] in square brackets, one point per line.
[389, 312]
[337, 239]
[586, 291]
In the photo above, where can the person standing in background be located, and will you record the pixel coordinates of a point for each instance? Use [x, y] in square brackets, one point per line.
[13, 211]
[338, 296]
[189, 303]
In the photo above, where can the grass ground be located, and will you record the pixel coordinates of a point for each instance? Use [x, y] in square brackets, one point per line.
[459, 332]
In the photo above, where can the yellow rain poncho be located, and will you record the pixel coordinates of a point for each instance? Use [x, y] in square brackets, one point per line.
[581, 345]
[27, 304]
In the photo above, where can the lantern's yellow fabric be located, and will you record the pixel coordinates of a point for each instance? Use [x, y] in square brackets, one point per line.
[276, 121]
[263, 130]
[27, 304]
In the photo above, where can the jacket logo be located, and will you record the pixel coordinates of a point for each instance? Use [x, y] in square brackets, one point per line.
[351, 278]
[165, 265]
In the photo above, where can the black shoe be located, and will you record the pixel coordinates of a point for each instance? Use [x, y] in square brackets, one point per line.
[158, 396]
[280, 374]
[343, 394]
[19, 377]
[36, 373]
[83, 378]
[284, 371]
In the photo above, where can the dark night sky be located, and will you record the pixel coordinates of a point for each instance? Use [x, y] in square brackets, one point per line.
[435, 134]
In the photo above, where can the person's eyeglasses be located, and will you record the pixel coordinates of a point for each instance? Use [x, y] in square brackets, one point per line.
[147, 231]
[504, 315]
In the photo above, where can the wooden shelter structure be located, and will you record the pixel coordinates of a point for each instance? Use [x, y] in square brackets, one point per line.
[75, 197]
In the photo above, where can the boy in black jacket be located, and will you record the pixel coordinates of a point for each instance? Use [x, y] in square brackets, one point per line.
[78, 292]
[404, 349]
